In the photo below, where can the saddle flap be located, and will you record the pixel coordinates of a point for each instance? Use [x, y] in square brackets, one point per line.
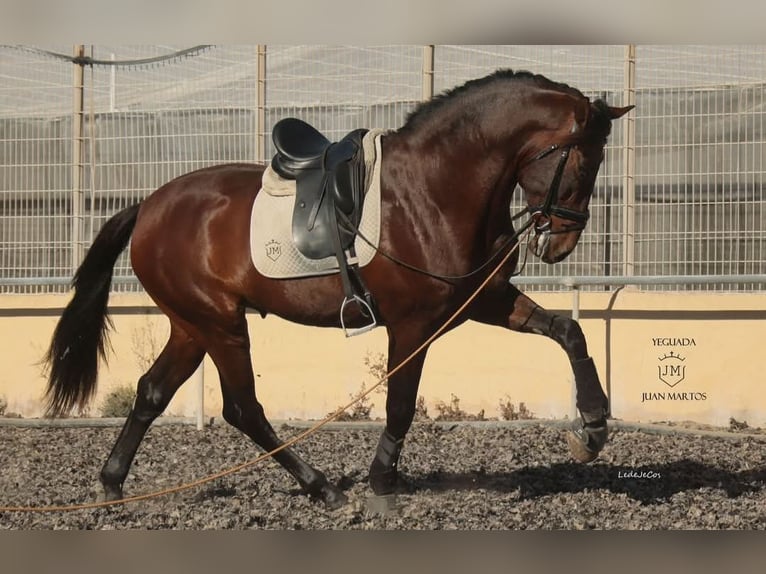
[310, 225]
[336, 183]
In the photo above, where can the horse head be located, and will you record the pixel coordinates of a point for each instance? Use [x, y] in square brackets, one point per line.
[559, 177]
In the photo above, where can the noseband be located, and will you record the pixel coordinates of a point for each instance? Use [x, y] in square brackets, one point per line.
[549, 207]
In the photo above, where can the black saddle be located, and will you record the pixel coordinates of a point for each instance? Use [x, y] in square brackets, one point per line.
[329, 175]
[329, 198]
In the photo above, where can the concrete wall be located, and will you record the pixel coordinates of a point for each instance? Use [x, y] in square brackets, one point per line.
[717, 368]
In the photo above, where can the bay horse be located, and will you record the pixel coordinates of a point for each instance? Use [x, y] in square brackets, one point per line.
[447, 177]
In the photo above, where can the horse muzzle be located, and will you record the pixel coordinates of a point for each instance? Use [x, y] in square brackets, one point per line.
[552, 247]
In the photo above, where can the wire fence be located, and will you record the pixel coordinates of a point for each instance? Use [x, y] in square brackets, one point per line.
[681, 191]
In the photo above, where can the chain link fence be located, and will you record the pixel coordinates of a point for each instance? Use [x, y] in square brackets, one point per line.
[87, 132]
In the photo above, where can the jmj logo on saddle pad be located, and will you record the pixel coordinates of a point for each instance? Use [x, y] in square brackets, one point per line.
[273, 250]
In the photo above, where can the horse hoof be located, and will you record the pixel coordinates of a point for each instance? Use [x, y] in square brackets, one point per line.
[334, 498]
[110, 494]
[384, 483]
[586, 441]
[579, 451]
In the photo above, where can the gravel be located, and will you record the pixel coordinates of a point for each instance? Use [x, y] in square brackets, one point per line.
[492, 476]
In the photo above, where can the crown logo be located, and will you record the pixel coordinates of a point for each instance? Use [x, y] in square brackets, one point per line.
[672, 355]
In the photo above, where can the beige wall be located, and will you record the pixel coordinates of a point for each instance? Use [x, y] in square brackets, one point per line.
[305, 373]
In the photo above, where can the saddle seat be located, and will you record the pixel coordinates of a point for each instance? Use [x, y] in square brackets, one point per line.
[299, 145]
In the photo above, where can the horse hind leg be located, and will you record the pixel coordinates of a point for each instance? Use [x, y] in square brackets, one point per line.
[176, 363]
[230, 351]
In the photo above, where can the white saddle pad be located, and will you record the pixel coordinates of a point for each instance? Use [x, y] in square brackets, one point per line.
[271, 243]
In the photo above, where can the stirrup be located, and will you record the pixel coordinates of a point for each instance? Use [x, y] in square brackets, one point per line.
[359, 330]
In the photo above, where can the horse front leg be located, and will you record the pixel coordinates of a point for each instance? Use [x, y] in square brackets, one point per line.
[401, 400]
[510, 308]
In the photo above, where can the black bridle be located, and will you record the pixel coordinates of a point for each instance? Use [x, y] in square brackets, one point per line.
[549, 207]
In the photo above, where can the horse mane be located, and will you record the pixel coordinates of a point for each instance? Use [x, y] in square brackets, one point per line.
[426, 109]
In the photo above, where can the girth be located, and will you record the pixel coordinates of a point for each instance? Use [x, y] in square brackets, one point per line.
[329, 180]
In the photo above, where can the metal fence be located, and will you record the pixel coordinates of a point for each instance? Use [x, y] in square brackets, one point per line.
[681, 191]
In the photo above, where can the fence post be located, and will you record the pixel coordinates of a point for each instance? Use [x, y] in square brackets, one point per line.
[575, 317]
[199, 382]
[78, 118]
[260, 106]
[428, 72]
[629, 164]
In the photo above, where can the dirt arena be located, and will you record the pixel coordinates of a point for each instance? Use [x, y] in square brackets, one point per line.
[458, 476]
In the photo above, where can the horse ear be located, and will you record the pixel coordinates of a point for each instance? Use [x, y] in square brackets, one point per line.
[615, 113]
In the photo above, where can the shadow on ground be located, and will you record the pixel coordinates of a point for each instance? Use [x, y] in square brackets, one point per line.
[648, 484]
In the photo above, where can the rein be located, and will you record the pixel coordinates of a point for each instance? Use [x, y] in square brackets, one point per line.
[446, 278]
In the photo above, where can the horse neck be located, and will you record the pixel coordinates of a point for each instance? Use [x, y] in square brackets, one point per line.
[464, 167]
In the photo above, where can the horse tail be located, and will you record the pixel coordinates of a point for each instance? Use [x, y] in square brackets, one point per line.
[81, 335]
